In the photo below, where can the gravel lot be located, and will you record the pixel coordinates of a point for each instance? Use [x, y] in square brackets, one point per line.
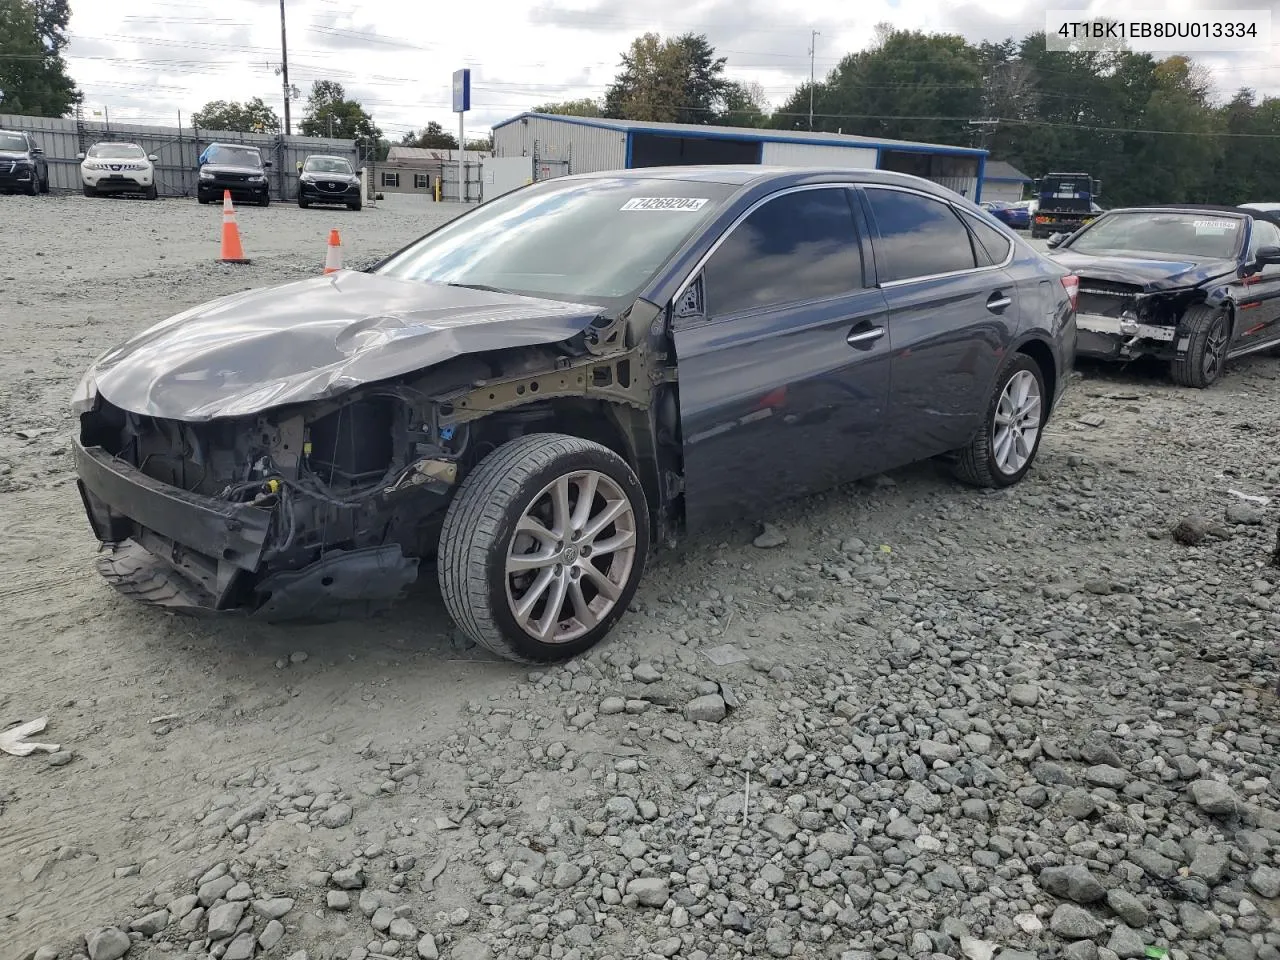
[933, 722]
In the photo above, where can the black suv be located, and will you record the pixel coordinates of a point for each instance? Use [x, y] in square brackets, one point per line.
[328, 180]
[234, 167]
[23, 168]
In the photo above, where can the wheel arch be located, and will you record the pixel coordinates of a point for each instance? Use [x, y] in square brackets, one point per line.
[627, 431]
[1040, 352]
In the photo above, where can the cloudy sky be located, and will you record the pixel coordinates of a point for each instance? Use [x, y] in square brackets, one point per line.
[148, 60]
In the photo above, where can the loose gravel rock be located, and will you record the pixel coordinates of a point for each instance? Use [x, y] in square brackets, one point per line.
[937, 721]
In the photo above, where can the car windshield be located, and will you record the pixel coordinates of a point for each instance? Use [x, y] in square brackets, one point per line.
[326, 165]
[1200, 235]
[123, 151]
[13, 141]
[234, 156]
[593, 240]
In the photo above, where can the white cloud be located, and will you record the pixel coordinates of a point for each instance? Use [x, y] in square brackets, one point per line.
[147, 60]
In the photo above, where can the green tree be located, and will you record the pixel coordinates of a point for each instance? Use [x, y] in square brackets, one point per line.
[745, 105]
[432, 136]
[678, 80]
[252, 116]
[330, 114]
[910, 86]
[586, 107]
[483, 145]
[33, 75]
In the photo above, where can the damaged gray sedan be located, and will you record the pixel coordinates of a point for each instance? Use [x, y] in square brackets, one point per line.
[534, 393]
[1193, 285]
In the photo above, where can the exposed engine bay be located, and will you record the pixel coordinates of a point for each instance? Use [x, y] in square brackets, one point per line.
[326, 508]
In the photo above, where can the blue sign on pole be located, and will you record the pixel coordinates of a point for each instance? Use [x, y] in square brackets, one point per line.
[461, 90]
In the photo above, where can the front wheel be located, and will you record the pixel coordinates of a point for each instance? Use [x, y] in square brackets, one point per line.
[90, 191]
[44, 184]
[34, 187]
[543, 547]
[354, 206]
[1208, 331]
[303, 203]
[1002, 451]
[152, 192]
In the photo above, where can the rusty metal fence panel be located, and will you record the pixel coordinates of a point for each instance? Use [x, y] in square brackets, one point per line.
[178, 149]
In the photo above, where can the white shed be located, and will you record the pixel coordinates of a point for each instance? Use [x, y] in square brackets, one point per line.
[561, 145]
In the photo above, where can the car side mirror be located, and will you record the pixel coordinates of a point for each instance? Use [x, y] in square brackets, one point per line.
[79, 156]
[38, 151]
[1268, 256]
[153, 158]
[1056, 240]
[267, 164]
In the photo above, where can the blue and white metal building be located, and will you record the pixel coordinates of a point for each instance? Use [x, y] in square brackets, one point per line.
[561, 145]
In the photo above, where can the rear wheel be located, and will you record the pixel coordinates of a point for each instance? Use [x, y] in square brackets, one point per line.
[1002, 451]
[1209, 331]
[543, 547]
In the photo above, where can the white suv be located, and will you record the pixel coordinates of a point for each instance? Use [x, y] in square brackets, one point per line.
[118, 168]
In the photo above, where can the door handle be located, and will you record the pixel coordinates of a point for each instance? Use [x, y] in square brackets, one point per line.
[862, 337]
[998, 301]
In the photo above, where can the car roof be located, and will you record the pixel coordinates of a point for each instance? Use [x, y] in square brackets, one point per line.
[742, 175]
[117, 143]
[326, 156]
[20, 133]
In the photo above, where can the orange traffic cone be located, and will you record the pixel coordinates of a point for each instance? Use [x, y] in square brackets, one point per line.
[333, 255]
[232, 252]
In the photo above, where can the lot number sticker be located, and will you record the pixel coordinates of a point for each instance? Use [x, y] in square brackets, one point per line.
[1215, 226]
[665, 203]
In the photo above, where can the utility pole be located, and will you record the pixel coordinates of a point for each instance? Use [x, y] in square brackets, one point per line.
[984, 127]
[284, 68]
[813, 47]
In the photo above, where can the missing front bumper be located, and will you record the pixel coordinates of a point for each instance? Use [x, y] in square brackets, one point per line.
[192, 554]
[1116, 338]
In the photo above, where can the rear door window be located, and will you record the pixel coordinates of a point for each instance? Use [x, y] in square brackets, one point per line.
[918, 236]
[795, 247]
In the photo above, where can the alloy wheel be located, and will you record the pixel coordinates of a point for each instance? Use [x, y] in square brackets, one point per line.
[570, 556]
[1017, 422]
[1215, 349]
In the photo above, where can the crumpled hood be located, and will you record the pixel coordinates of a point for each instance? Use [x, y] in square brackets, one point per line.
[1152, 275]
[316, 338]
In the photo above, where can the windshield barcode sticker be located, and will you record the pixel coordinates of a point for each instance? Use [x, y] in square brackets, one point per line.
[1215, 226]
[664, 203]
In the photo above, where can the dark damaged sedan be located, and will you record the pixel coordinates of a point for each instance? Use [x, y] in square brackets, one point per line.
[1192, 285]
[534, 393]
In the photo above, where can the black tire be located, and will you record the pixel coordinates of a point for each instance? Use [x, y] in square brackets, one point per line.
[90, 191]
[481, 522]
[152, 192]
[977, 463]
[44, 184]
[265, 201]
[34, 187]
[303, 203]
[1209, 329]
[355, 206]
